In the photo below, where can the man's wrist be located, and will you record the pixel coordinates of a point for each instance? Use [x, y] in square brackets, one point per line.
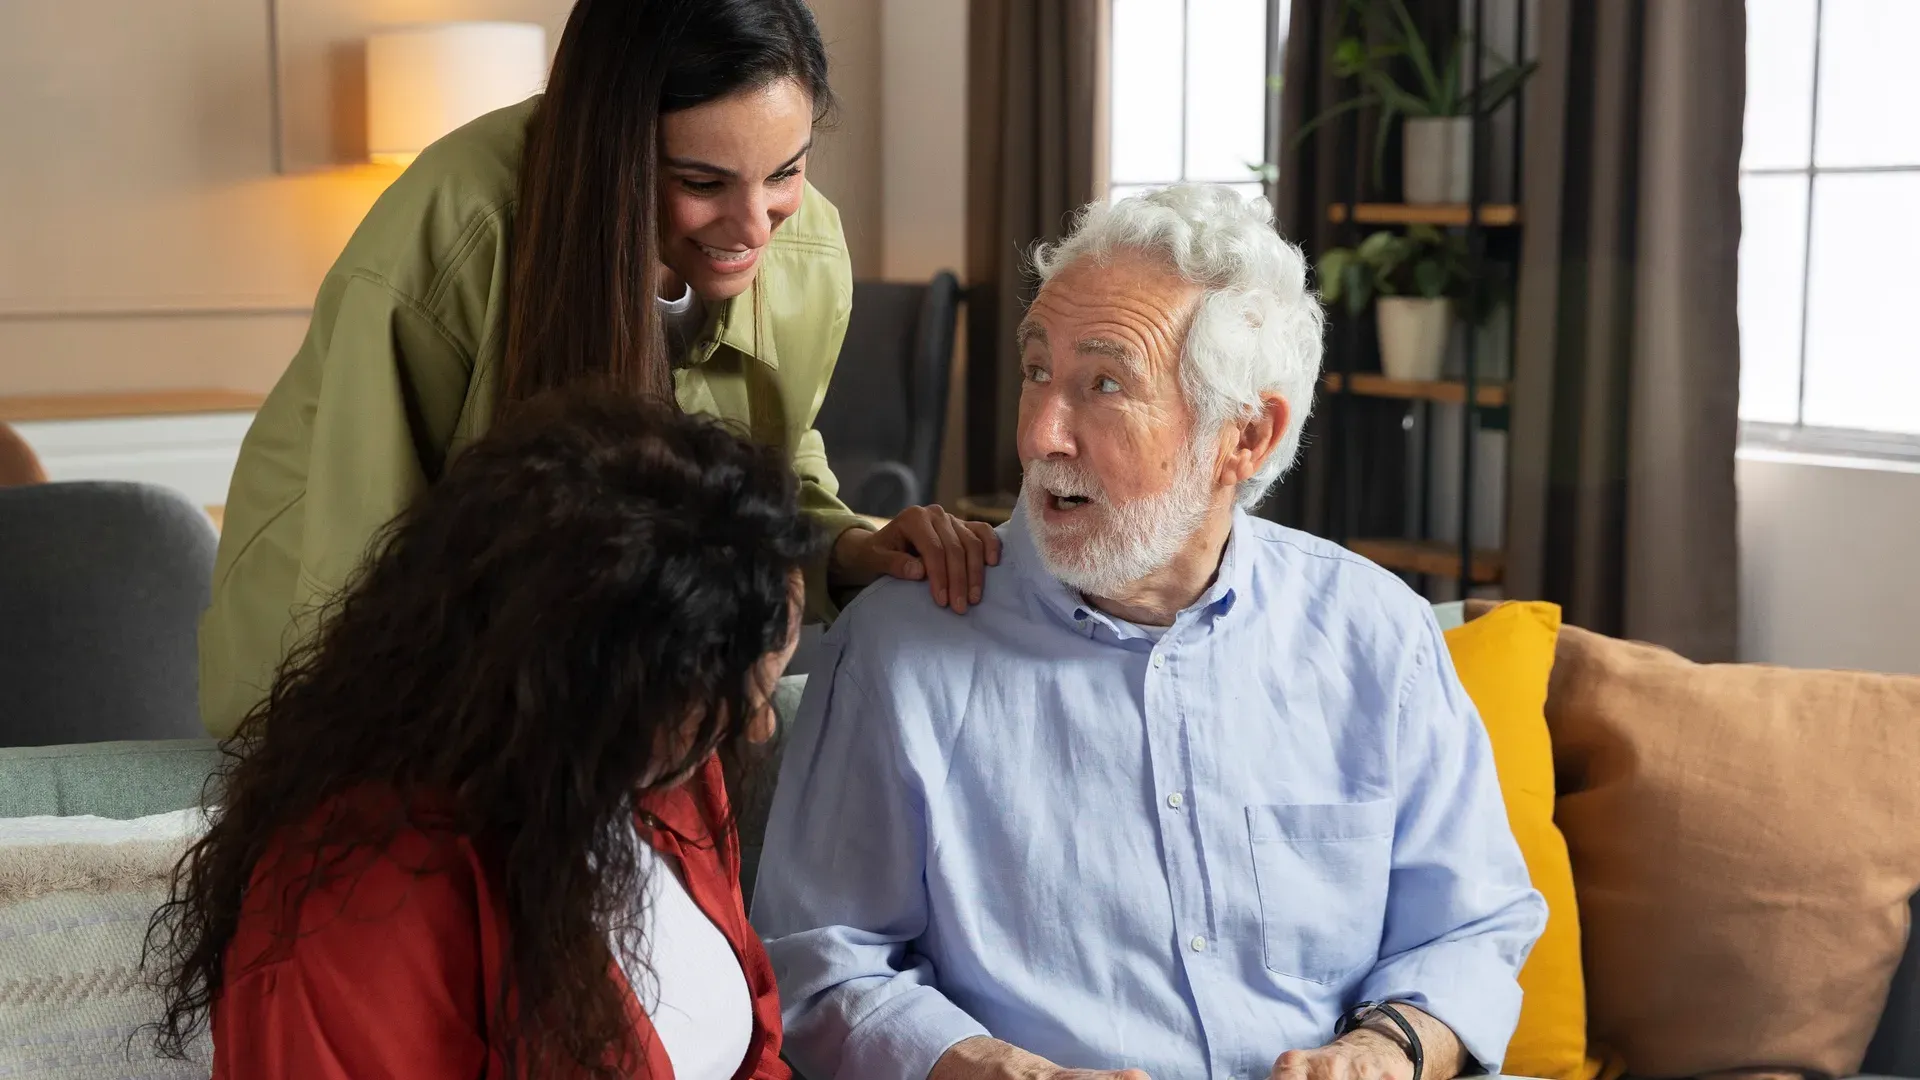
[1387, 1048]
[1441, 1054]
[985, 1058]
[1373, 1037]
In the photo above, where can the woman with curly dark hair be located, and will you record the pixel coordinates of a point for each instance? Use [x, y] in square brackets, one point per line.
[478, 828]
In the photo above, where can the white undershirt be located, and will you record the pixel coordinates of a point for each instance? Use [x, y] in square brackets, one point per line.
[682, 320]
[691, 985]
[680, 306]
[1152, 633]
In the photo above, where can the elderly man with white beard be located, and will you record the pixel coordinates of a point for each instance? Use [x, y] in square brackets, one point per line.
[1188, 794]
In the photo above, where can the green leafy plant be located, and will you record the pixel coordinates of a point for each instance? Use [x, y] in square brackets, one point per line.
[1438, 89]
[1423, 261]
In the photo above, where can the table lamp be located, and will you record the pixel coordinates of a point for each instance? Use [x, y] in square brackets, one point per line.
[425, 81]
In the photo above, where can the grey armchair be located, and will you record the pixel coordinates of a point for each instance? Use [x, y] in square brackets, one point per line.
[884, 416]
[101, 589]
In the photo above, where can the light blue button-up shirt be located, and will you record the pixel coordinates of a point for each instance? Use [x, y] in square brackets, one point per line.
[1185, 855]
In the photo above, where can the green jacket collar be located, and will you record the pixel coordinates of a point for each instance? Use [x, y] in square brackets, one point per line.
[732, 325]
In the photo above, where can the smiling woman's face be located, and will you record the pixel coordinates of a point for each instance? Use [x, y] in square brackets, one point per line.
[732, 171]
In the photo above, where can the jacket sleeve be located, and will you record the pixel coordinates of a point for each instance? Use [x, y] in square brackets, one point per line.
[358, 425]
[391, 392]
[384, 979]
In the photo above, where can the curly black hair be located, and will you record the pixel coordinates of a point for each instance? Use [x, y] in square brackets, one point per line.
[579, 610]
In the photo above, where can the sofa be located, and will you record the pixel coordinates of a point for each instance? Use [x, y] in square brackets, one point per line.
[1584, 684]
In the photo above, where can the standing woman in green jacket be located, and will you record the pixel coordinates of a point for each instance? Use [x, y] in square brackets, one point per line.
[646, 221]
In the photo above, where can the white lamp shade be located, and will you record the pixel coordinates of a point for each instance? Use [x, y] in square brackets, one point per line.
[424, 81]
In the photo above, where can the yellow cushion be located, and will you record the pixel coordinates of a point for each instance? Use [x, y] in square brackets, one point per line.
[1504, 659]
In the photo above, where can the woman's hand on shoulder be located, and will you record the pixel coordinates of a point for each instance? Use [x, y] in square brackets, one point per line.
[923, 543]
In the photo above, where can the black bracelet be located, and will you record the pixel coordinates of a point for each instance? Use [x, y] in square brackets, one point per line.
[1367, 1010]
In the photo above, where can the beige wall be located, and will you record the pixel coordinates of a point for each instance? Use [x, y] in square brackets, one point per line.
[923, 124]
[146, 240]
[846, 165]
[1826, 564]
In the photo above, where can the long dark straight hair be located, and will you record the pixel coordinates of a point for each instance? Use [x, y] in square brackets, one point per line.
[586, 235]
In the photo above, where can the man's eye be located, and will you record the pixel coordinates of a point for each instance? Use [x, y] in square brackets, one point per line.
[1107, 384]
[1038, 375]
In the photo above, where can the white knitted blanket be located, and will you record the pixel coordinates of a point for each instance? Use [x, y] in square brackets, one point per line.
[76, 895]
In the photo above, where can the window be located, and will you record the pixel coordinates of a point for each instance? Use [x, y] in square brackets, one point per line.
[1830, 207]
[1189, 92]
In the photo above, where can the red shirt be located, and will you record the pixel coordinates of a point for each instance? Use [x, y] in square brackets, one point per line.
[395, 972]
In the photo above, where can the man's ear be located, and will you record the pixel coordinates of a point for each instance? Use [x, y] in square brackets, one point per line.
[1250, 442]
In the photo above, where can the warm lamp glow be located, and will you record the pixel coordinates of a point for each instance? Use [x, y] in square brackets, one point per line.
[424, 81]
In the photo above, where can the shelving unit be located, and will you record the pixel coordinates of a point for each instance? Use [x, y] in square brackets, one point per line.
[992, 509]
[1433, 557]
[186, 439]
[44, 407]
[1446, 392]
[1457, 215]
[1462, 558]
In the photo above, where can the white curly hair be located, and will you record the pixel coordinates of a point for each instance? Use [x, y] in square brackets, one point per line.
[1255, 329]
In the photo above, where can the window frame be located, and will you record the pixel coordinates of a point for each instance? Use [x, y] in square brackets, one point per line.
[1800, 437]
[1275, 59]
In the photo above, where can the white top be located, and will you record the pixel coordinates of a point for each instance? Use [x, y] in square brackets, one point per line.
[680, 306]
[690, 982]
[682, 320]
[1153, 633]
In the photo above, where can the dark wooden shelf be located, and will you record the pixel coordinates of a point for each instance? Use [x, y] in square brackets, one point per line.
[1488, 395]
[133, 403]
[992, 509]
[1433, 557]
[1442, 214]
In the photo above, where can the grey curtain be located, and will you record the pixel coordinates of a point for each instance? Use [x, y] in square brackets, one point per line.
[1307, 182]
[1621, 505]
[1036, 127]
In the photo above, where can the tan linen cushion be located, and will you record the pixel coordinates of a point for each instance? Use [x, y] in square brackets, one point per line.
[1744, 840]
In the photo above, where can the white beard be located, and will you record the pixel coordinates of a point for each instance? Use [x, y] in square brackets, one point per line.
[1116, 545]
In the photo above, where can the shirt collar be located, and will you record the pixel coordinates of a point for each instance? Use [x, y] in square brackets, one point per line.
[732, 325]
[1071, 608]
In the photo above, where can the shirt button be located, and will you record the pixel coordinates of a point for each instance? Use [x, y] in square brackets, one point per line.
[1198, 944]
[1159, 661]
[1174, 800]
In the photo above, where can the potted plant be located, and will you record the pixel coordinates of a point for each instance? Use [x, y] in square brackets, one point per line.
[1439, 109]
[1411, 279]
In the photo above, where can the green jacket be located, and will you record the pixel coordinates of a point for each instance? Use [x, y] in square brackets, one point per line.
[398, 373]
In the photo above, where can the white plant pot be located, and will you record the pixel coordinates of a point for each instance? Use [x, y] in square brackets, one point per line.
[1436, 162]
[1413, 336]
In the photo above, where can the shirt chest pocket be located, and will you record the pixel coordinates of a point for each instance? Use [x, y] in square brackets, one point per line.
[1322, 871]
